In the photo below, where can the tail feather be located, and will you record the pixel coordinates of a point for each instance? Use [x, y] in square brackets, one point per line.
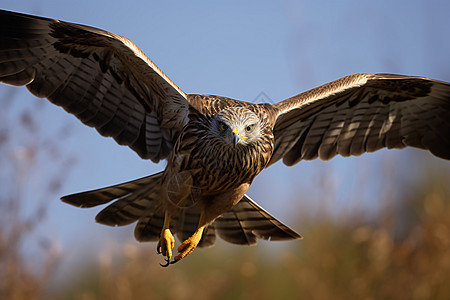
[107, 194]
[247, 221]
[138, 200]
[128, 209]
[149, 226]
[243, 224]
[208, 237]
[188, 223]
[134, 199]
[183, 225]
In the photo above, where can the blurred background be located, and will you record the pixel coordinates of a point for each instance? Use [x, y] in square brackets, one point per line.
[375, 226]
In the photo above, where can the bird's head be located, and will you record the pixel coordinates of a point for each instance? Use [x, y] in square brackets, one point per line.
[237, 125]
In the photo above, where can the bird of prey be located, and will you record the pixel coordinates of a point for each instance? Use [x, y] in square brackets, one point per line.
[214, 146]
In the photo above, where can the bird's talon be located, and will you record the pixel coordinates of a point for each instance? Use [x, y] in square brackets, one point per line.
[167, 263]
[166, 244]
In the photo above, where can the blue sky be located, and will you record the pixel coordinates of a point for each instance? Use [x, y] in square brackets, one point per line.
[239, 49]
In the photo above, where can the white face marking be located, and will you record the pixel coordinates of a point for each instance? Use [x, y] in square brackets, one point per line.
[237, 125]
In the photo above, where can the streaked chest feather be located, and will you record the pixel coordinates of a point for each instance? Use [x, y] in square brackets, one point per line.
[218, 167]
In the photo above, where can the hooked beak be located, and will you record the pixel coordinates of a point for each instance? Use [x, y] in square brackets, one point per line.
[235, 137]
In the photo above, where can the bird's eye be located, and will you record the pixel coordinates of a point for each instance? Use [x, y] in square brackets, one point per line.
[249, 128]
[223, 126]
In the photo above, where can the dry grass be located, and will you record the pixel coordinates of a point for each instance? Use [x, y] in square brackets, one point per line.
[27, 262]
[21, 278]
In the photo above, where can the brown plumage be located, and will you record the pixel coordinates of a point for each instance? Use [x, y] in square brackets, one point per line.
[214, 146]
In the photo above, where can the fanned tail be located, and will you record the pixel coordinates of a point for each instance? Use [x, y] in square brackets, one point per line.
[243, 225]
[137, 200]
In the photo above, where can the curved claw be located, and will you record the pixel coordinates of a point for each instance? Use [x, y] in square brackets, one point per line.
[166, 264]
[158, 249]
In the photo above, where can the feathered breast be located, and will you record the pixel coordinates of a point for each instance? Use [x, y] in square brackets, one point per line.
[216, 165]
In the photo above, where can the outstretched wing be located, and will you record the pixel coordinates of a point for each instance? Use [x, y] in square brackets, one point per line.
[363, 113]
[104, 79]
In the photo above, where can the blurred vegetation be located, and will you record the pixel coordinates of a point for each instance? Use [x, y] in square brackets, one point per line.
[28, 259]
[402, 253]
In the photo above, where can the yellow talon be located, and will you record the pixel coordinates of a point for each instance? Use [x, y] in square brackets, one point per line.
[189, 245]
[166, 243]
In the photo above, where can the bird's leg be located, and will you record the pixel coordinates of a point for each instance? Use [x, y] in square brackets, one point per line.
[166, 240]
[191, 243]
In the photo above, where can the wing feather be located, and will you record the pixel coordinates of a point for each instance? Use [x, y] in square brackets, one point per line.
[364, 113]
[103, 79]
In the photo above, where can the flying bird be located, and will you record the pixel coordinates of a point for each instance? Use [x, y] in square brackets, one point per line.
[214, 146]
